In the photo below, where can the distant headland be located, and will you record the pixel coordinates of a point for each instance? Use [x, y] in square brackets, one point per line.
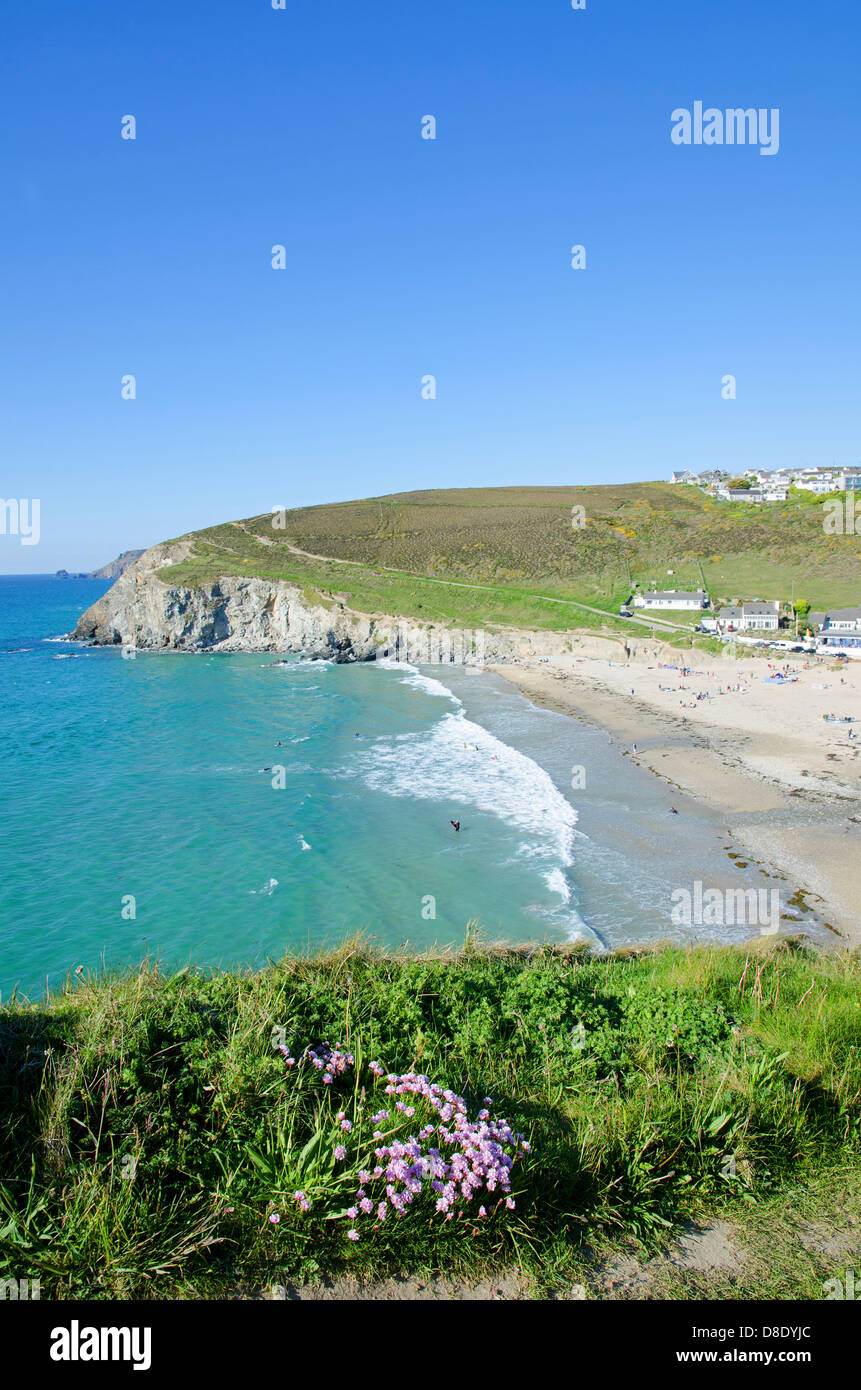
[109, 571]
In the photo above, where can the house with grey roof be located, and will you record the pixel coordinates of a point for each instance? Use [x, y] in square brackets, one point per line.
[671, 598]
[842, 620]
[750, 617]
[841, 633]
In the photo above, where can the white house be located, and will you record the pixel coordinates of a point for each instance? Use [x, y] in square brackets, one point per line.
[817, 480]
[685, 476]
[841, 633]
[740, 494]
[842, 620]
[750, 617]
[671, 598]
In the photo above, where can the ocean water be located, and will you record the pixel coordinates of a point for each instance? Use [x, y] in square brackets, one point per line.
[223, 809]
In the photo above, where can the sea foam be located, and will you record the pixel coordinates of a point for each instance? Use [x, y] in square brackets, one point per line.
[458, 763]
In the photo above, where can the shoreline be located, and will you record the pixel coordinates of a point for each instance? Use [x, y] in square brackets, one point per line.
[790, 789]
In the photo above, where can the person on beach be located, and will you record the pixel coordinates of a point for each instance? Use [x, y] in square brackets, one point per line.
[455, 823]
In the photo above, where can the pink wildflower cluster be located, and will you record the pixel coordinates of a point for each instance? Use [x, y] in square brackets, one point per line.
[331, 1061]
[476, 1161]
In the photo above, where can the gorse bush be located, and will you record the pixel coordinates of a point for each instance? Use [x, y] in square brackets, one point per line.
[161, 1132]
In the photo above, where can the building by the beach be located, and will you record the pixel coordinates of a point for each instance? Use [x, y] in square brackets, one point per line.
[681, 599]
[841, 632]
[750, 617]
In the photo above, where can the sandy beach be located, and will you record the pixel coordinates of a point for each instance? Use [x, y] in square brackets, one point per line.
[759, 753]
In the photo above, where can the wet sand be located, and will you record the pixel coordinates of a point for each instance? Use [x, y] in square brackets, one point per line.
[761, 755]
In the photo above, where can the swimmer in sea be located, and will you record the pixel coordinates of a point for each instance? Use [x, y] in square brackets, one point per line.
[455, 823]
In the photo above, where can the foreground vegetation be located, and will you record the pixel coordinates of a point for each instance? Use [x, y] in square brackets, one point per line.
[164, 1135]
[526, 548]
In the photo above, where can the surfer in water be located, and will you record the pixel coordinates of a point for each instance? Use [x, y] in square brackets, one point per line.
[455, 823]
[673, 811]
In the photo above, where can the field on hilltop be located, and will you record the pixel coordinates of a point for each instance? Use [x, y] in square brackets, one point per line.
[510, 554]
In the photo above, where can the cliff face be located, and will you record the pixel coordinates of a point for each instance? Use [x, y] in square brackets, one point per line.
[235, 614]
[117, 566]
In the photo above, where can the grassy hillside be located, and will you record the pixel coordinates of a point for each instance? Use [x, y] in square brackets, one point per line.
[419, 553]
[161, 1135]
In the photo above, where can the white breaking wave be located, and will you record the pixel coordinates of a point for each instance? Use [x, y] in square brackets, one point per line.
[558, 883]
[267, 890]
[413, 676]
[458, 763]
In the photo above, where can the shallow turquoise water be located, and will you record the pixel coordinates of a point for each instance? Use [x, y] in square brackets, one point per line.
[141, 779]
[137, 815]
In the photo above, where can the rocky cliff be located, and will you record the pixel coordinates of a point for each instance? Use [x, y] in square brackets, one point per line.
[237, 614]
[109, 571]
[117, 566]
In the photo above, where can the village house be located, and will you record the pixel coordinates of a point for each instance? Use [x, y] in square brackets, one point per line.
[740, 494]
[671, 598]
[842, 620]
[841, 632]
[773, 484]
[750, 617]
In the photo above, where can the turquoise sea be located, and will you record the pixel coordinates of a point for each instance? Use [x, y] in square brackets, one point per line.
[225, 808]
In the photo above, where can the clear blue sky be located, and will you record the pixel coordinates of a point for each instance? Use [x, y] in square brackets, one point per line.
[258, 388]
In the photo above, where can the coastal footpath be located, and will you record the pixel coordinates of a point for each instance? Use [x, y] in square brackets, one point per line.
[235, 614]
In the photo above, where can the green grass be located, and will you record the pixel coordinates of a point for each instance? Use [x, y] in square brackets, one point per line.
[148, 1125]
[413, 554]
